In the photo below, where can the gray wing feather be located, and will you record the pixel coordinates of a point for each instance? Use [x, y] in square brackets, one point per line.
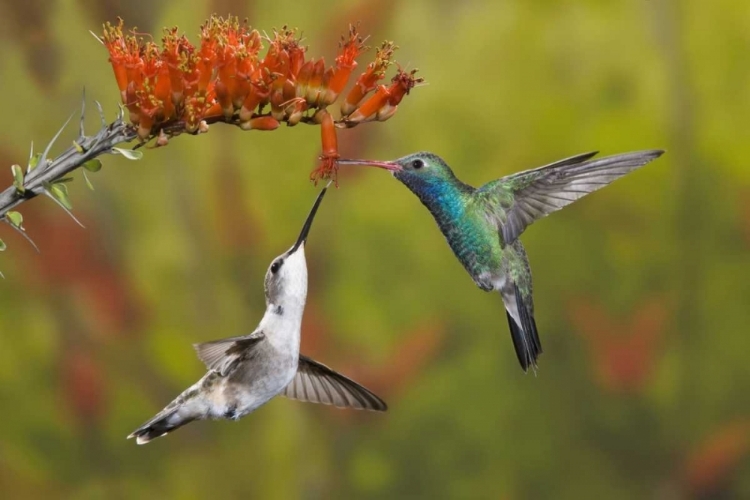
[539, 192]
[221, 356]
[316, 383]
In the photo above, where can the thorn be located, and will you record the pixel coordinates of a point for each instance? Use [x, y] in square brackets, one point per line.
[81, 133]
[97, 37]
[101, 114]
[88, 182]
[2, 275]
[43, 159]
[120, 112]
[22, 232]
[31, 157]
[64, 208]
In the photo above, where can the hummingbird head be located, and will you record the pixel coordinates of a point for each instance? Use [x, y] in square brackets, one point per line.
[423, 169]
[286, 278]
[424, 173]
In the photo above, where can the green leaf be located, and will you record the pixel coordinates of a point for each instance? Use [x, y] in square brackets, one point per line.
[3, 246]
[18, 178]
[60, 192]
[130, 154]
[15, 218]
[62, 180]
[93, 165]
[78, 147]
[88, 182]
[34, 161]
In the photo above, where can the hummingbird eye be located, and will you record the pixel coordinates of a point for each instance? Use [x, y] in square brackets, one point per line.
[417, 164]
[276, 266]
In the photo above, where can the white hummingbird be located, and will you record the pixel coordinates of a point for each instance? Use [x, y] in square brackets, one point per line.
[245, 372]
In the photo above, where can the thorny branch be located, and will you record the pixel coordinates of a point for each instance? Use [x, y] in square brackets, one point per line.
[42, 173]
[45, 176]
[181, 88]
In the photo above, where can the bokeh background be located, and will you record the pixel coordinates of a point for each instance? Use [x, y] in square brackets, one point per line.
[641, 289]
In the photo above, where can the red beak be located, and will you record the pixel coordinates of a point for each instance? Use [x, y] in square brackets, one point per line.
[393, 167]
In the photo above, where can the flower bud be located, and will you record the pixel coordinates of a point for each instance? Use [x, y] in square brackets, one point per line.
[260, 123]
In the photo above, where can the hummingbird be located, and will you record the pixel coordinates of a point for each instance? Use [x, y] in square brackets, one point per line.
[482, 225]
[245, 372]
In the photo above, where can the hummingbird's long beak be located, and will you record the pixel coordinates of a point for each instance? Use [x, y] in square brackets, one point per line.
[308, 223]
[388, 165]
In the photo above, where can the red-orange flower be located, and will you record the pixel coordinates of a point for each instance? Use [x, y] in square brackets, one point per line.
[180, 88]
[118, 53]
[384, 103]
[368, 81]
[349, 50]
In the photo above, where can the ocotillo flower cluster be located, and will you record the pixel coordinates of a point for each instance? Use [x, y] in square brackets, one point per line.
[178, 87]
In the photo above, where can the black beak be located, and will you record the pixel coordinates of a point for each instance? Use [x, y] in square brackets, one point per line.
[388, 165]
[308, 223]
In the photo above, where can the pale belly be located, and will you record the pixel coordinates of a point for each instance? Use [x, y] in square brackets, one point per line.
[250, 387]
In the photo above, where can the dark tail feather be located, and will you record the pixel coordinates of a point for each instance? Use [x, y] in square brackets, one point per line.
[163, 423]
[525, 336]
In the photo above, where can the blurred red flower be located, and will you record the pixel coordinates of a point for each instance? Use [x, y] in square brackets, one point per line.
[83, 387]
[623, 352]
[79, 267]
[416, 349]
[711, 463]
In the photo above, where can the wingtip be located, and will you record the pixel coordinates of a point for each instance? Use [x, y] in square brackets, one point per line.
[381, 408]
[650, 155]
[376, 404]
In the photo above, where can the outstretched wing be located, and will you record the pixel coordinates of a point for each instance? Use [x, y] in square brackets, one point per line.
[223, 355]
[316, 383]
[530, 195]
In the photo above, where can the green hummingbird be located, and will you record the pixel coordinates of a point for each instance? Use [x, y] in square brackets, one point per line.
[482, 225]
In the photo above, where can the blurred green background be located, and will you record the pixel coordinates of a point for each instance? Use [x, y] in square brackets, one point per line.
[641, 289]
